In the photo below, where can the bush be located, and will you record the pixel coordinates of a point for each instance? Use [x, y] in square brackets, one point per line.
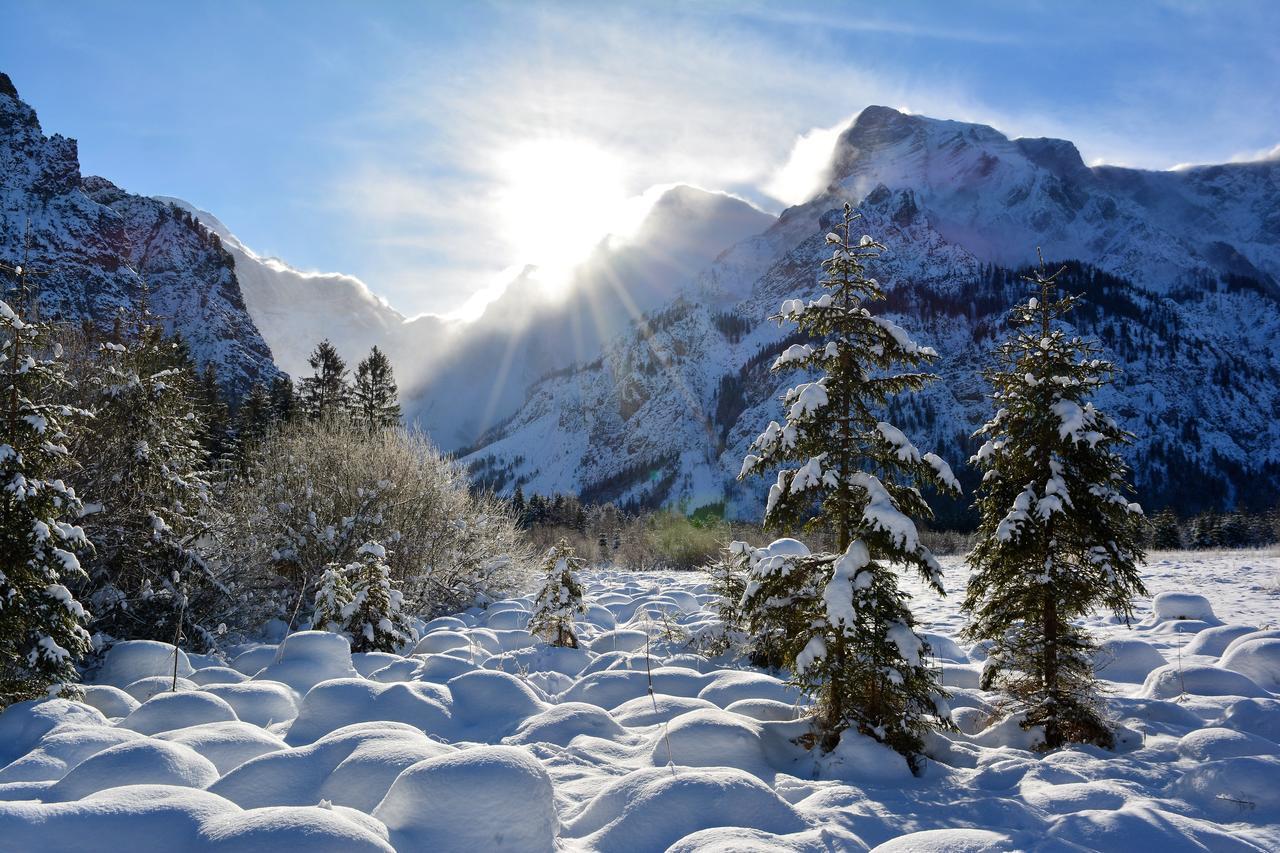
[315, 492]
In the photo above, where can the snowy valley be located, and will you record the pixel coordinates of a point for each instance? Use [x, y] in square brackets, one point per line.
[480, 737]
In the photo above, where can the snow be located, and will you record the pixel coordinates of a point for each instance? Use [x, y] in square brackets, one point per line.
[536, 748]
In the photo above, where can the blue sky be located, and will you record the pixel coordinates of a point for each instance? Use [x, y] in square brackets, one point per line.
[430, 148]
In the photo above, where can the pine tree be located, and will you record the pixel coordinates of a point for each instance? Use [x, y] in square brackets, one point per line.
[518, 505]
[146, 469]
[254, 417]
[360, 601]
[728, 574]
[374, 396]
[847, 631]
[325, 393]
[1166, 534]
[333, 600]
[560, 598]
[42, 630]
[212, 410]
[1058, 536]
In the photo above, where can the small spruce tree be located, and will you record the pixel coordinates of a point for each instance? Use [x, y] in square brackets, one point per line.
[360, 601]
[1058, 535]
[560, 598]
[325, 393]
[374, 399]
[846, 630]
[728, 574]
[42, 632]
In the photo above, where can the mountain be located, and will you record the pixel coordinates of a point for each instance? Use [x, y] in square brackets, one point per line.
[94, 248]
[1178, 269]
[295, 310]
[485, 368]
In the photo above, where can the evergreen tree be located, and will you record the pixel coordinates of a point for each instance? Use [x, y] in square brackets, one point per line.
[255, 416]
[728, 583]
[360, 601]
[560, 598]
[145, 467]
[1058, 536]
[42, 630]
[211, 408]
[374, 396]
[325, 393]
[283, 399]
[847, 632]
[1166, 534]
[518, 505]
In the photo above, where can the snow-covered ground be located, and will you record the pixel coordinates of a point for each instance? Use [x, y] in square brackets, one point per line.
[484, 740]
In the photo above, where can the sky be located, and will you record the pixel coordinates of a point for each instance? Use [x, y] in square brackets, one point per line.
[434, 149]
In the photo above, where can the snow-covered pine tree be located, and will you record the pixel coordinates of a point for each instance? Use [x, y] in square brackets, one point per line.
[144, 466]
[374, 398]
[560, 598]
[283, 400]
[333, 600]
[847, 631]
[1058, 536]
[325, 393]
[375, 621]
[42, 630]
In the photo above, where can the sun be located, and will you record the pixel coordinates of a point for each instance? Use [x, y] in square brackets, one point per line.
[559, 197]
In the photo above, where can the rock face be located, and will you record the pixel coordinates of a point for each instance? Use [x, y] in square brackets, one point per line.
[1179, 276]
[91, 246]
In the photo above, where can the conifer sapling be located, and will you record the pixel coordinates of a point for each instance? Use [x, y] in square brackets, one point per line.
[560, 598]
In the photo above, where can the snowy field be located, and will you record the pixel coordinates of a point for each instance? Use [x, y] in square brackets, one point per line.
[484, 740]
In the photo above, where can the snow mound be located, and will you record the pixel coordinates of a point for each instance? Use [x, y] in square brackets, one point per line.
[545, 658]
[766, 710]
[23, 724]
[163, 819]
[1235, 786]
[1171, 681]
[652, 710]
[488, 798]
[1259, 659]
[1213, 642]
[62, 748]
[487, 704]
[1126, 659]
[128, 661]
[711, 738]
[153, 685]
[217, 675]
[1215, 743]
[1174, 606]
[652, 808]
[863, 759]
[441, 641]
[367, 663]
[1141, 827]
[353, 766]
[439, 668]
[560, 724]
[608, 689]
[738, 840]
[1259, 717]
[111, 701]
[728, 686]
[259, 702]
[227, 745]
[136, 762]
[344, 701]
[620, 640]
[951, 841]
[166, 711]
[308, 658]
[254, 660]
[1271, 633]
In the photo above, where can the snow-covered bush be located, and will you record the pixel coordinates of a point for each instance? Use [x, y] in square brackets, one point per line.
[41, 624]
[316, 491]
[560, 598]
[360, 601]
[839, 621]
[1058, 534]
